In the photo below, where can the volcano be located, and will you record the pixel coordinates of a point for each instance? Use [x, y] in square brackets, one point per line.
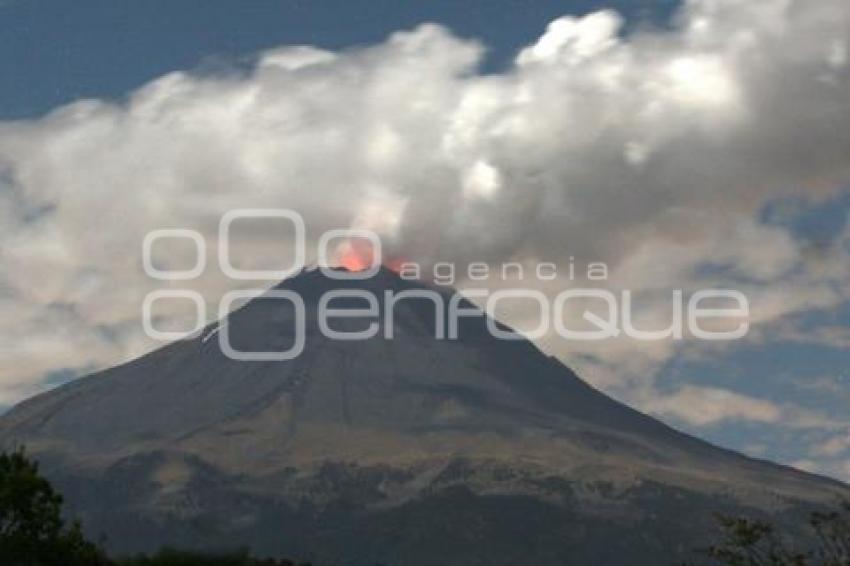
[410, 450]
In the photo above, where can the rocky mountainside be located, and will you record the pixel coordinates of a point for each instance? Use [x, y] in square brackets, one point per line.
[406, 451]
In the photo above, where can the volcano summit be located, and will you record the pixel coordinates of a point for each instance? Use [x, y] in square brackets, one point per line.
[404, 451]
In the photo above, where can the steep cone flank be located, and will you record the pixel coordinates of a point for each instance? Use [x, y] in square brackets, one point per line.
[354, 451]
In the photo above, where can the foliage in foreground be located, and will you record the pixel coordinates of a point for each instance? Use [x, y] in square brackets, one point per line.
[32, 532]
[749, 542]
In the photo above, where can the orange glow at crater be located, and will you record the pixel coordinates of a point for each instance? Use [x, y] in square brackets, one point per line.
[355, 254]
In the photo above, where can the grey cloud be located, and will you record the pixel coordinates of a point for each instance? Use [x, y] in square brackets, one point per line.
[657, 148]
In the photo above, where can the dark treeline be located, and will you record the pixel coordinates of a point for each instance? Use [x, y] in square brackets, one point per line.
[750, 542]
[33, 533]
[171, 557]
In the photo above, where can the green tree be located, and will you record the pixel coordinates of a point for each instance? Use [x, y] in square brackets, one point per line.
[749, 542]
[32, 532]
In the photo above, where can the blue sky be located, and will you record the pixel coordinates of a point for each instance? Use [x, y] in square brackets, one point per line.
[53, 52]
[667, 149]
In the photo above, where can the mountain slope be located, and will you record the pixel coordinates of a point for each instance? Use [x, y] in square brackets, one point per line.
[405, 451]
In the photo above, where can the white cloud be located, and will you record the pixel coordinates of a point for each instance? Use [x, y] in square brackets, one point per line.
[834, 446]
[707, 405]
[652, 152]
